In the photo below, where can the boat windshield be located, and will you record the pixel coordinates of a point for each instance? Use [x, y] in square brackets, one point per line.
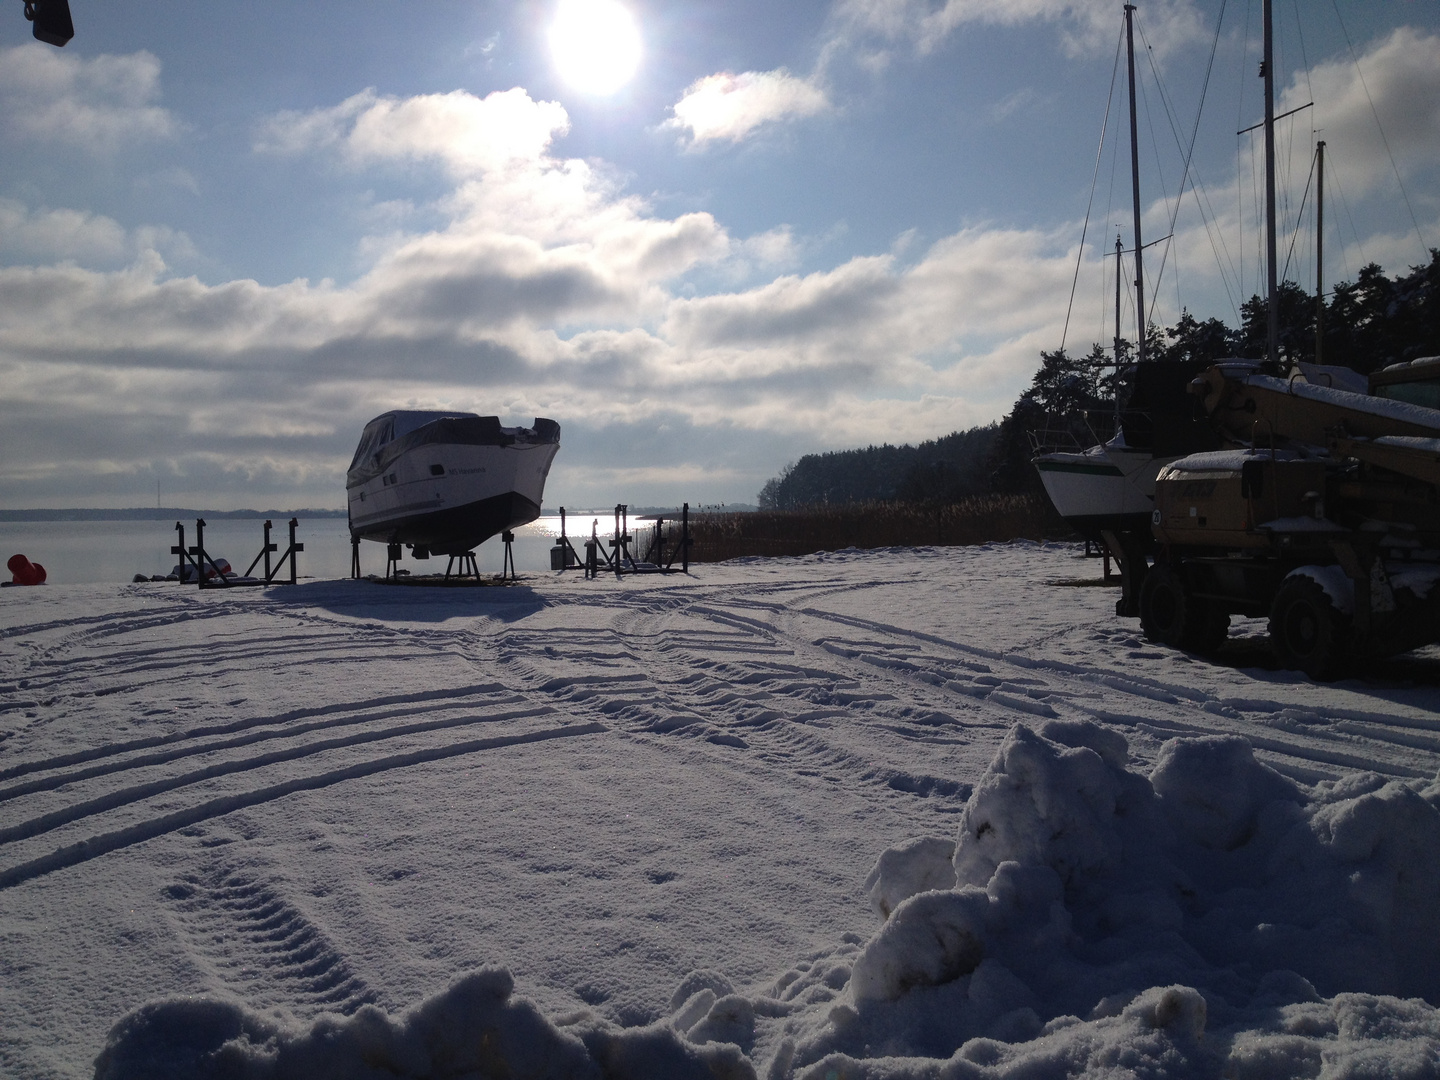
[377, 433]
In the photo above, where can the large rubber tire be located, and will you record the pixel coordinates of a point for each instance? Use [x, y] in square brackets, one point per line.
[1171, 615]
[1209, 630]
[1308, 633]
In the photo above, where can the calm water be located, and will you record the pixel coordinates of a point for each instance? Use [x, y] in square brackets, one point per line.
[75, 552]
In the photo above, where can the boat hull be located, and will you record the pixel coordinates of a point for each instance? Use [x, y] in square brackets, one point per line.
[454, 530]
[1102, 488]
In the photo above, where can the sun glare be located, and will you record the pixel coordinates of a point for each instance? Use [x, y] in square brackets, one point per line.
[595, 44]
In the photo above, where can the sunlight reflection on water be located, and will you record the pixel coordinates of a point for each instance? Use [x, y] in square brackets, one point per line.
[79, 552]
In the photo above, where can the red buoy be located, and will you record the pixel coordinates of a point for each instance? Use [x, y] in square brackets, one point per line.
[24, 572]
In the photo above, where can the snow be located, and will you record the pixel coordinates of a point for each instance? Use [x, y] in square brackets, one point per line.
[1299, 524]
[1410, 442]
[1401, 411]
[1416, 579]
[1336, 583]
[1341, 378]
[1227, 460]
[892, 814]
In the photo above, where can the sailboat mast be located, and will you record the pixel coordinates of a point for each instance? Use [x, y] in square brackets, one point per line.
[1135, 186]
[1320, 252]
[1267, 69]
[1119, 264]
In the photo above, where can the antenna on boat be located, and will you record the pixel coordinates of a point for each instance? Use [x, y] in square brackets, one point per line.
[1135, 186]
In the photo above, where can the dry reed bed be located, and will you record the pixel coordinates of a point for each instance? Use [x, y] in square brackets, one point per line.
[977, 520]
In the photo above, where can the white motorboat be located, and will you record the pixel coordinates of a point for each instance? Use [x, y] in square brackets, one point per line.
[446, 481]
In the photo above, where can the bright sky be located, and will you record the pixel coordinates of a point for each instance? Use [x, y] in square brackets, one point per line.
[705, 238]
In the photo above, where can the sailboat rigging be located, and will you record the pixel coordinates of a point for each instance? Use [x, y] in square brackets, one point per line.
[1107, 493]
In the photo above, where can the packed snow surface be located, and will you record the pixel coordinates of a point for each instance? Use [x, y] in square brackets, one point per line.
[1402, 411]
[900, 814]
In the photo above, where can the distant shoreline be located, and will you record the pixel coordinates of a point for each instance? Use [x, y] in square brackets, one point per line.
[180, 513]
[164, 513]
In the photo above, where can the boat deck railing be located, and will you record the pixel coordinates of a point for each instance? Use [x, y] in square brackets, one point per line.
[1072, 434]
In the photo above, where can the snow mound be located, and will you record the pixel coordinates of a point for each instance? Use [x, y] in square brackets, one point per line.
[1207, 918]
[915, 866]
[475, 1028]
[1192, 920]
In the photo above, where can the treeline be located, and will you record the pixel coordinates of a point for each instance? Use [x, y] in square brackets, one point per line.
[944, 470]
[1369, 324]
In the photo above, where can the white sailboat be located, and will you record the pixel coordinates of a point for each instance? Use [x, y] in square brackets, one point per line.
[1110, 487]
[1102, 499]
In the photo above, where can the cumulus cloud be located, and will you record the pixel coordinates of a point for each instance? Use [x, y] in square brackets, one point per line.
[877, 27]
[467, 134]
[98, 104]
[1402, 75]
[1396, 80]
[731, 107]
[47, 236]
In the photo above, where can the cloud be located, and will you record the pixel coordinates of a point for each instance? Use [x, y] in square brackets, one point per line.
[100, 104]
[774, 247]
[468, 135]
[1026, 99]
[1400, 77]
[874, 29]
[547, 289]
[731, 107]
[725, 386]
[48, 236]
[1402, 73]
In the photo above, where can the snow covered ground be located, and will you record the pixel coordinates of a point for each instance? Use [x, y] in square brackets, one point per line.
[628, 828]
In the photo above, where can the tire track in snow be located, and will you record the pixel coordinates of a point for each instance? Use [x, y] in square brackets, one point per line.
[209, 730]
[699, 670]
[195, 747]
[111, 623]
[1199, 712]
[251, 936]
[139, 832]
[189, 673]
[1043, 687]
[111, 800]
[196, 661]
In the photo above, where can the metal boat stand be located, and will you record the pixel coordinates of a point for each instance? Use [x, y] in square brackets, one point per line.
[563, 555]
[208, 574]
[467, 566]
[654, 558]
[507, 569]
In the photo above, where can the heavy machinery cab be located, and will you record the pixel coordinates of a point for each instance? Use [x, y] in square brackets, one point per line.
[1241, 499]
[1415, 381]
[1324, 514]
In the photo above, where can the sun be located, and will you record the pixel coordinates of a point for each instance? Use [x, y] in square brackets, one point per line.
[595, 44]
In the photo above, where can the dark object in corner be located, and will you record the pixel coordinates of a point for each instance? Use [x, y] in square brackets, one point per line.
[51, 19]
